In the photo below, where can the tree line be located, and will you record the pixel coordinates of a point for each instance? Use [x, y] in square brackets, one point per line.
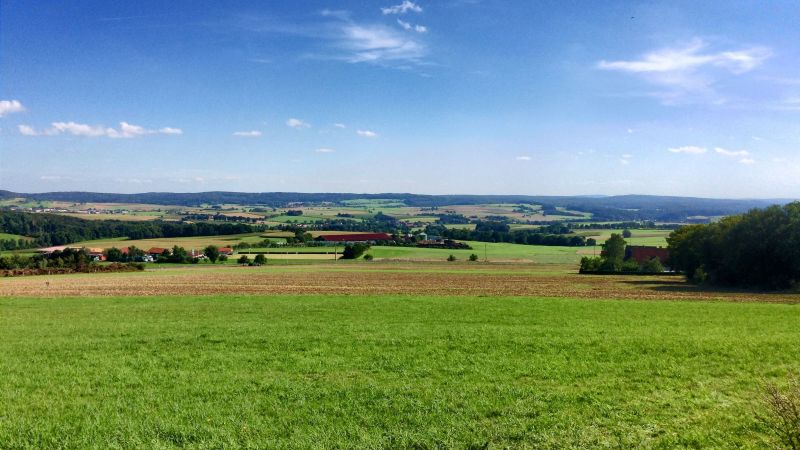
[760, 248]
[53, 229]
[500, 232]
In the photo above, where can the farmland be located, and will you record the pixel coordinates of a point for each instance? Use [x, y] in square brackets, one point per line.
[514, 350]
[384, 370]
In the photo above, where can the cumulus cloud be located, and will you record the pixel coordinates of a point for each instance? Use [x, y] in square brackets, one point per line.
[10, 107]
[689, 149]
[689, 72]
[402, 8]
[367, 133]
[732, 153]
[297, 124]
[27, 130]
[324, 150]
[523, 158]
[253, 133]
[125, 130]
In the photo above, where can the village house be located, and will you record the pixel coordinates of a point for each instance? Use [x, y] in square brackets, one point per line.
[642, 253]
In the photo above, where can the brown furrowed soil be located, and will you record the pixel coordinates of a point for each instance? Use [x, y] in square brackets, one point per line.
[374, 278]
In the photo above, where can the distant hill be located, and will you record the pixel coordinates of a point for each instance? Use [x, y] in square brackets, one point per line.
[619, 207]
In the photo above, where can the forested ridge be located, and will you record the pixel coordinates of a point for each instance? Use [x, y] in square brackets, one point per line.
[53, 229]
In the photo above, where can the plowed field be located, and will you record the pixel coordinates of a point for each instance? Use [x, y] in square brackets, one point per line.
[415, 279]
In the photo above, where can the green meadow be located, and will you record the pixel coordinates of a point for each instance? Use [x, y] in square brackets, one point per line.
[388, 372]
[492, 251]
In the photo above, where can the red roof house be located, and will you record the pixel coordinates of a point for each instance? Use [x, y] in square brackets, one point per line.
[642, 253]
[156, 251]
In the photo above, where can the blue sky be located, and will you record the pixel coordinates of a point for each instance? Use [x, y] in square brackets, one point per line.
[459, 96]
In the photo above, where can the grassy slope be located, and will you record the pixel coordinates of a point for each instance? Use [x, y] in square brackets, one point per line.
[387, 372]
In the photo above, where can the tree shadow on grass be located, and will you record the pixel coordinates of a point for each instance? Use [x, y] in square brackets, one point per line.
[684, 286]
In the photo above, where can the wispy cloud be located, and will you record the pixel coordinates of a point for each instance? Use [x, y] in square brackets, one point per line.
[378, 43]
[689, 149]
[523, 158]
[409, 27]
[125, 130]
[252, 133]
[297, 124]
[324, 150]
[402, 8]
[170, 130]
[689, 72]
[747, 161]
[340, 125]
[367, 133]
[731, 153]
[10, 107]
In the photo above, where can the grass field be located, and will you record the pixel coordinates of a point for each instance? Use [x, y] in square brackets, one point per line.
[388, 372]
[656, 238]
[492, 251]
[6, 236]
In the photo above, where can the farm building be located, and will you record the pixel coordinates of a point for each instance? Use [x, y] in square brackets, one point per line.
[227, 251]
[642, 253]
[357, 237]
[155, 252]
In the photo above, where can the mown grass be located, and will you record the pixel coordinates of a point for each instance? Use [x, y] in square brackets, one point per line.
[387, 372]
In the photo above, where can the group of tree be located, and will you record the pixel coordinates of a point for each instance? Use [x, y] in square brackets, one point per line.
[259, 260]
[354, 251]
[16, 244]
[494, 231]
[612, 259]
[760, 248]
[77, 260]
[53, 229]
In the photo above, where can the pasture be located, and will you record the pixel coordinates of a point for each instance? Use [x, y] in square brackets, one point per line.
[387, 370]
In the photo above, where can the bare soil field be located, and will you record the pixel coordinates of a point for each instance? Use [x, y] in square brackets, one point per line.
[376, 278]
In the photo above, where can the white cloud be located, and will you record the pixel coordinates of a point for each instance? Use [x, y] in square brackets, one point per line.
[297, 124]
[10, 107]
[324, 150]
[377, 43]
[27, 130]
[624, 161]
[627, 156]
[689, 72]
[690, 149]
[420, 28]
[339, 125]
[402, 8]
[747, 161]
[125, 130]
[732, 153]
[523, 158]
[367, 133]
[691, 57]
[253, 133]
